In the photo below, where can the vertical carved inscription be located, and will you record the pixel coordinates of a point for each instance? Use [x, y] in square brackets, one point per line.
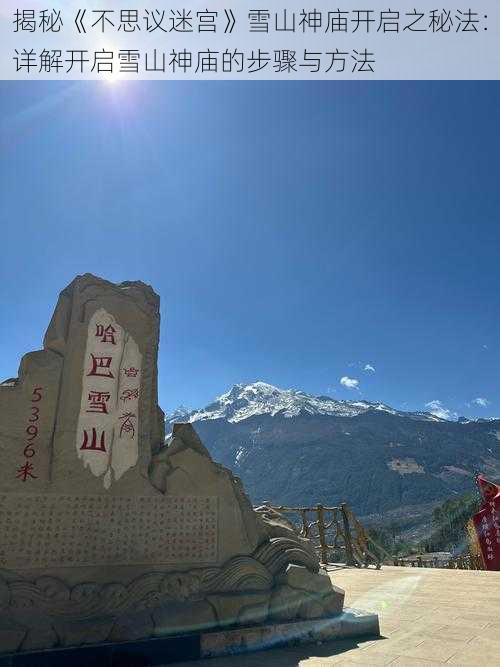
[26, 471]
[108, 424]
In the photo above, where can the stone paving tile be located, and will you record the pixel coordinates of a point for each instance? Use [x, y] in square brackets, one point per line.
[393, 646]
[490, 634]
[389, 626]
[409, 629]
[485, 644]
[404, 661]
[375, 659]
[404, 615]
[495, 626]
[474, 658]
[443, 618]
[479, 621]
[452, 633]
[422, 624]
[432, 649]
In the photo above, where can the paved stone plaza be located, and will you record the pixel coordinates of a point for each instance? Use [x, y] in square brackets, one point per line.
[427, 617]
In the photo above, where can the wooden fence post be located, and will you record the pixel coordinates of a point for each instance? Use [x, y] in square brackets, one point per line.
[305, 523]
[347, 536]
[322, 536]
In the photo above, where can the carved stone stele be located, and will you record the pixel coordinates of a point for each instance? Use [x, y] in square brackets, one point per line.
[106, 534]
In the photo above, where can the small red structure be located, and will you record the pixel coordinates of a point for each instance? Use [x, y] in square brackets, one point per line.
[487, 523]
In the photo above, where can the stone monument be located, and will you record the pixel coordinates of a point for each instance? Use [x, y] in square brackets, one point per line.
[108, 535]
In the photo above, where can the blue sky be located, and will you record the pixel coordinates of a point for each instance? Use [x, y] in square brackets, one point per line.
[296, 232]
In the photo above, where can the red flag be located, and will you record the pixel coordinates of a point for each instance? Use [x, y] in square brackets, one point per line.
[487, 523]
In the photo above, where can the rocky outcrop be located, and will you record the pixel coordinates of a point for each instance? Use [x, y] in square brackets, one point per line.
[185, 467]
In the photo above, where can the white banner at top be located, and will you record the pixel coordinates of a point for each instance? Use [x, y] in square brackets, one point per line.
[224, 40]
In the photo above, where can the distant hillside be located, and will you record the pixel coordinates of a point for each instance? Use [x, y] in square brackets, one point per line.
[295, 449]
[449, 521]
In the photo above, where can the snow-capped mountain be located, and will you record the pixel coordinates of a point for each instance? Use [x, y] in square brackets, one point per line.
[297, 449]
[260, 398]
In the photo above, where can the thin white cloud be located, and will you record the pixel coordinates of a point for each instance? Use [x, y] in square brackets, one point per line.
[369, 368]
[482, 402]
[439, 410]
[349, 383]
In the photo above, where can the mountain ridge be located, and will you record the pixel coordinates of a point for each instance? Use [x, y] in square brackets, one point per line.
[295, 449]
[258, 398]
